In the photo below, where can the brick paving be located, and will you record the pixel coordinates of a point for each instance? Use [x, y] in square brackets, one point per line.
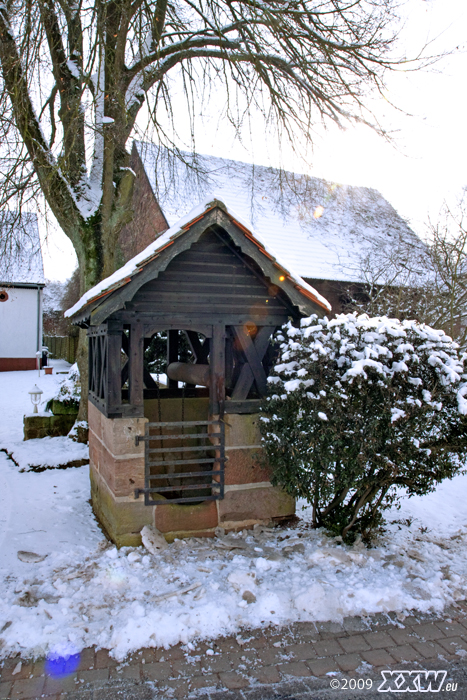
[295, 662]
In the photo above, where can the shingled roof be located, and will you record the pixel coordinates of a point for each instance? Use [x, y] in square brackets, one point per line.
[320, 229]
[20, 250]
[157, 256]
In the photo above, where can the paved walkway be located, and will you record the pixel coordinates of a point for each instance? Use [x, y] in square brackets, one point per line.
[298, 662]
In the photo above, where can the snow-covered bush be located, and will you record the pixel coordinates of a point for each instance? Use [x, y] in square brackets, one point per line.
[359, 406]
[69, 392]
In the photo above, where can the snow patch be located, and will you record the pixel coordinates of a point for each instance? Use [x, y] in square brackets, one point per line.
[64, 587]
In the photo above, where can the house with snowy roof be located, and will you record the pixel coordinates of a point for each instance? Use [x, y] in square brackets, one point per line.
[21, 284]
[322, 230]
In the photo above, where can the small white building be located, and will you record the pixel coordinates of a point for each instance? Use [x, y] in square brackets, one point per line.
[21, 284]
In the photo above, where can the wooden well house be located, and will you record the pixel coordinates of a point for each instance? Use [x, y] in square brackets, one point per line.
[184, 455]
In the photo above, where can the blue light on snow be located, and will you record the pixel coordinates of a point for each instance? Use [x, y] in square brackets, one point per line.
[60, 666]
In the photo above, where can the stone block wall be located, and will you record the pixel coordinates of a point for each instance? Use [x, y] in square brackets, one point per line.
[117, 469]
[249, 497]
[47, 425]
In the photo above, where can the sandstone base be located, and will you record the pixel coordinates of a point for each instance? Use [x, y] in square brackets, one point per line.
[117, 469]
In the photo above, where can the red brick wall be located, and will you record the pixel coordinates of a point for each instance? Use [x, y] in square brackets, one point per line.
[335, 292]
[148, 220]
[17, 364]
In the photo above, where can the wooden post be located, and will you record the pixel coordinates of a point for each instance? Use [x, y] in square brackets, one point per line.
[136, 360]
[217, 368]
[229, 359]
[113, 380]
[172, 354]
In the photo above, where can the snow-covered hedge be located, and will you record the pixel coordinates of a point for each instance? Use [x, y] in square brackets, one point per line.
[359, 406]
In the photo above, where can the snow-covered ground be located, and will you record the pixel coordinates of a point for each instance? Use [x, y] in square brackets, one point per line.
[80, 590]
[15, 402]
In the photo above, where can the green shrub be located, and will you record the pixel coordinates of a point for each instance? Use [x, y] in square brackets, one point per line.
[359, 406]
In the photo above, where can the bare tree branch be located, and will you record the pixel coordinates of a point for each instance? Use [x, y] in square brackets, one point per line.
[295, 62]
[427, 283]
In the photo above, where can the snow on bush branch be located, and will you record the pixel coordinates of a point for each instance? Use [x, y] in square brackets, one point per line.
[359, 406]
[69, 391]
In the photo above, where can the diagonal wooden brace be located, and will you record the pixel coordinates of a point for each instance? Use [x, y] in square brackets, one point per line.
[252, 370]
[199, 350]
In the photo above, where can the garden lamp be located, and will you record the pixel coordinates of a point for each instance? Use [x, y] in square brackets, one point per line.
[35, 395]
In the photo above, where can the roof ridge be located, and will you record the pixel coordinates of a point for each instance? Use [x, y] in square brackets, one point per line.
[321, 228]
[268, 168]
[154, 249]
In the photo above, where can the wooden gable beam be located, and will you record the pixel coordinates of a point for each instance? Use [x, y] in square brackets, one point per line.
[292, 310]
[305, 305]
[116, 300]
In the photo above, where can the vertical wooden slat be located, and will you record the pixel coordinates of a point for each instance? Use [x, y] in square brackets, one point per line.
[147, 468]
[217, 370]
[172, 354]
[91, 365]
[113, 378]
[136, 359]
[102, 359]
[229, 359]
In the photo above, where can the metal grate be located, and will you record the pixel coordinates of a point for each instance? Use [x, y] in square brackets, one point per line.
[165, 462]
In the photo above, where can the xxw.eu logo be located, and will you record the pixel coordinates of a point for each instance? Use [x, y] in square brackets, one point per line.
[414, 682]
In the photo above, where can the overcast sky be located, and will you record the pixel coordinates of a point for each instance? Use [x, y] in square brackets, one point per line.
[425, 165]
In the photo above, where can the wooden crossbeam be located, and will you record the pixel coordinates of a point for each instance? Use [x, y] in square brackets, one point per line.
[252, 370]
[200, 350]
[125, 344]
[125, 372]
[126, 366]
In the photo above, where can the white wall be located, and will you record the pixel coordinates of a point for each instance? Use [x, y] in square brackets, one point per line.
[18, 323]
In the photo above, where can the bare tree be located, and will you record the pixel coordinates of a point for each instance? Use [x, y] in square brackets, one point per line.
[392, 277]
[425, 281]
[76, 73]
[447, 288]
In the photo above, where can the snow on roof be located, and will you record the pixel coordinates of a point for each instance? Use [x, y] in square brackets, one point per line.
[133, 266]
[323, 230]
[20, 249]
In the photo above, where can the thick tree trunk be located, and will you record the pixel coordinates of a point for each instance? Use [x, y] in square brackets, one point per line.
[97, 259]
[90, 261]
